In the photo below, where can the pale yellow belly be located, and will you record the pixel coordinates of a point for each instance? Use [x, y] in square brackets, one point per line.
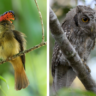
[9, 48]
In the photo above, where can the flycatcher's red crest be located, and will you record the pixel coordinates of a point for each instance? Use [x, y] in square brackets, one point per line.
[9, 15]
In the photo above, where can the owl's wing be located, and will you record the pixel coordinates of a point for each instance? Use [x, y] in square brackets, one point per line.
[63, 74]
[20, 38]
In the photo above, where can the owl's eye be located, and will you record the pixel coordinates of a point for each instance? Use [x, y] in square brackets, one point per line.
[85, 19]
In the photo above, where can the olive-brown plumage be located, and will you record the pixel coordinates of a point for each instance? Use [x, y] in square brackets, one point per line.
[11, 43]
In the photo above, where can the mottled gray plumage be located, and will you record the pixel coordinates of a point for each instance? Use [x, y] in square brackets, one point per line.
[80, 28]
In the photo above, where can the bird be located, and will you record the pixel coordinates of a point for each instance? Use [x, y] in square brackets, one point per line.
[11, 43]
[79, 26]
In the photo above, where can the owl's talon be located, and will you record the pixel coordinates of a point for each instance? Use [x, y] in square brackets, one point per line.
[87, 67]
[82, 60]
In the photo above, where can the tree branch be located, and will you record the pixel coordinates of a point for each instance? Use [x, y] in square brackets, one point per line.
[70, 53]
[23, 52]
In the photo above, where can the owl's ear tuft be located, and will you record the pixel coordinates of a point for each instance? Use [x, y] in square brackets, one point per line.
[78, 9]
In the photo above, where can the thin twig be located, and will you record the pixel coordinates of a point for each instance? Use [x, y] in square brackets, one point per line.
[23, 52]
[41, 21]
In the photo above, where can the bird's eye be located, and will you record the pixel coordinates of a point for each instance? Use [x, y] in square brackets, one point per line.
[4, 24]
[85, 19]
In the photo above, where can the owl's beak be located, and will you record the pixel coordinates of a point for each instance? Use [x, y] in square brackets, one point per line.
[93, 28]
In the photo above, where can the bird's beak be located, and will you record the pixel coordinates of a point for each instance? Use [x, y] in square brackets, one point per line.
[1, 28]
[93, 28]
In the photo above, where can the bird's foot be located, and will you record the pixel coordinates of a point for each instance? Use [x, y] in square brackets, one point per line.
[10, 58]
[87, 67]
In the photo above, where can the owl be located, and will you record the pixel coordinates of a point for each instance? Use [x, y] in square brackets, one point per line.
[79, 27]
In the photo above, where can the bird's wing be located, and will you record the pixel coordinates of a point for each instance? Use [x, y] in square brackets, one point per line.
[20, 38]
[63, 74]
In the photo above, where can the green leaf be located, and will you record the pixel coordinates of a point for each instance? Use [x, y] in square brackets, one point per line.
[3, 90]
[4, 81]
[74, 92]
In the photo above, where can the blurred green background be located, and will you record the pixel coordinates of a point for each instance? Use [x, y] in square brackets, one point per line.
[61, 8]
[28, 22]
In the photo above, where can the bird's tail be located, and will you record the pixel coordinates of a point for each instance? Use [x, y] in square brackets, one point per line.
[64, 76]
[21, 80]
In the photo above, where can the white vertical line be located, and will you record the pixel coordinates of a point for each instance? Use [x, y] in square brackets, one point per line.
[47, 47]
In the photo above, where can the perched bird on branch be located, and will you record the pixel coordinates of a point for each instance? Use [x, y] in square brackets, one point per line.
[80, 28]
[11, 43]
